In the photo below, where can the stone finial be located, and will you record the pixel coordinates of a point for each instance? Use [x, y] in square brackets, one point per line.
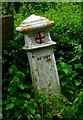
[34, 22]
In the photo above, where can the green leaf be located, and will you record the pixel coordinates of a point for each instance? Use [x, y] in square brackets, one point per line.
[25, 105]
[37, 117]
[26, 95]
[32, 111]
[70, 91]
[15, 80]
[76, 100]
[65, 67]
[64, 82]
[12, 88]
[74, 74]
[79, 66]
[77, 82]
[48, 116]
[10, 106]
[12, 70]
[66, 71]
[20, 75]
[21, 86]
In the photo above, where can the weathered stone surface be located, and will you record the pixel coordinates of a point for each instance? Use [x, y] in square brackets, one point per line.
[34, 22]
[44, 71]
[39, 48]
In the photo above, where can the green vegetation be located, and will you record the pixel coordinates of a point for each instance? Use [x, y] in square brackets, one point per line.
[18, 95]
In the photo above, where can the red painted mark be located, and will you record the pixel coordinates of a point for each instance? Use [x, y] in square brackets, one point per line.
[39, 37]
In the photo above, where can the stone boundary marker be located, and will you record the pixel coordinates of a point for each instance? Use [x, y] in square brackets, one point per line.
[40, 51]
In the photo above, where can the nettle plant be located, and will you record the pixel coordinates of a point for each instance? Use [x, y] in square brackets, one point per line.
[21, 105]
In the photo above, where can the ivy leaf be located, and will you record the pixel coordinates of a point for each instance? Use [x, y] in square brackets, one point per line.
[77, 82]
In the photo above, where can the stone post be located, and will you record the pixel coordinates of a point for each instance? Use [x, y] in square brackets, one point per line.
[7, 35]
[7, 29]
[39, 48]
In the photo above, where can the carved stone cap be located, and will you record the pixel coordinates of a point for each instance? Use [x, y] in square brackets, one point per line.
[33, 23]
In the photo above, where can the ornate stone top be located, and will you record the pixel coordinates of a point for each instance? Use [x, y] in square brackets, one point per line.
[33, 23]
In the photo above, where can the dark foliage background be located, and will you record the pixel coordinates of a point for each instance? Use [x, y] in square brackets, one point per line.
[18, 97]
